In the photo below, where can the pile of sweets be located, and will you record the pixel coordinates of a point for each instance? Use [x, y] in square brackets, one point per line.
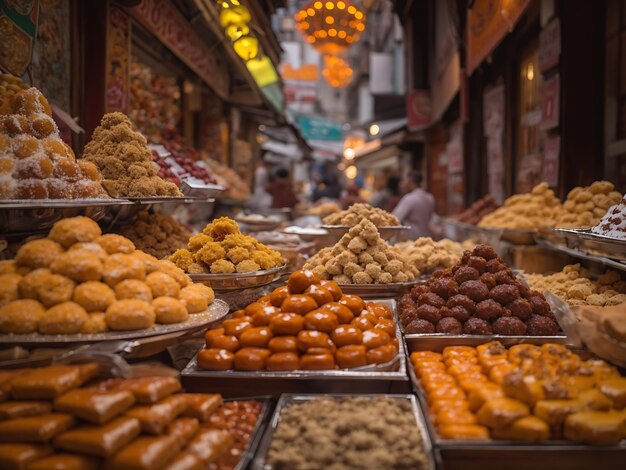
[539, 208]
[613, 224]
[308, 324]
[428, 255]
[478, 210]
[122, 155]
[362, 257]
[574, 285]
[221, 248]
[10, 85]
[236, 188]
[527, 393]
[66, 417]
[80, 281]
[158, 235]
[585, 206]
[478, 296]
[358, 212]
[34, 162]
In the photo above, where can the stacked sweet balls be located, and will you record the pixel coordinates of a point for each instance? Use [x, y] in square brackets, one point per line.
[478, 296]
[308, 324]
[80, 281]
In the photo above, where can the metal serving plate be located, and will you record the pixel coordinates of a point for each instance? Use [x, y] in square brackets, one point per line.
[235, 281]
[390, 377]
[597, 245]
[386, 232]
[197, 321]
[438, 341]
[200, 191]
[286, 400]
[514, 455]
[577, 253]
[259, 429]
[33, 215]
[259, 225]
[380, 291]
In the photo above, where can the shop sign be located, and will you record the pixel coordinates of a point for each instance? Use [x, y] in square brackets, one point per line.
[550, 168]
[18, 27]
[306, 73]
[488, 22]
[550, 45]
[313, 128]
[550, 90]
[418, 109]
[117, 80]
[163, 20]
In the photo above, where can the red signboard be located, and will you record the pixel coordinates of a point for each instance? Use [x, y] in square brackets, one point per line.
[550, 45]
[550, 167]
[550, 103]
[118, 61]
[419, 109]
[163, 20]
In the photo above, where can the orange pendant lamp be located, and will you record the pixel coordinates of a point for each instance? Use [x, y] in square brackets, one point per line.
[337, 72]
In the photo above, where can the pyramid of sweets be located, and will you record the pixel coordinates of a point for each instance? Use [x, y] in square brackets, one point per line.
[80, 281]
[9, 86]
[65, 416]
[585, 206]
[34, 162]
[122, 155]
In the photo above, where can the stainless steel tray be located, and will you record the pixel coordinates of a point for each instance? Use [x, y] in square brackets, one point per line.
[236, 281]
[461, 231]
[594, 244]
[386, 232]
[258, 226]
[200, 191]
[575, 252]
[286, 400]
[197, 321]
[382, 378]
[380, 291]
[259, 429]
[437, 341]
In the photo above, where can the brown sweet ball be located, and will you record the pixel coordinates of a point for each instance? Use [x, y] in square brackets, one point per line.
[65, 318]
[162, 284]
[485, 251]
[113, 243]
[444, 287]
[419, 326]
[539, 325]
[119, 267]
[509, 326]
[430, 298]
[477, 326]
[21, 317]
[91, 247]
[9, 288]
[95, 323]
[196, 297]
[31, 189]
[66, 232]
[429, 313]
[78, 265]
[489, 310]
[466, 273]
[130, 314]
[29, 284]
[133, 289]
[449, 326]
[38, 253]
[475, 290]
[54, 289]
[94, 296]
[169, 310]
[504, 294]
[174, 271]
[521, 309]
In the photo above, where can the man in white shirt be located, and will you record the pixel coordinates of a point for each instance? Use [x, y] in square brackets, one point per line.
[416, 207]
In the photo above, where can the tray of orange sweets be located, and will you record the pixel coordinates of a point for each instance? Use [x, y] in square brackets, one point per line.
[521, 405]
[304, 336]
[73, 416]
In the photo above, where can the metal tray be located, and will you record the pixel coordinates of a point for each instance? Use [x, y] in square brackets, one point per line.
[259, 225]
[197, 321]
[380, 291]
[200, 191]
[577, 253]
[382, 378]
[594, 244]
[386, 232]
[461, 231]
[286, 400]
[437, 341]
[259, 429]
[236, 281]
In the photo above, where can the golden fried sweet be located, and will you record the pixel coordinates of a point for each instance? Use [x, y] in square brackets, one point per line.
[21, 316]
[53, 289]
[38, 253]
[95, 323]
[9, 288]
[595, 427]
[357, 212]
[196, 297]
[119, 267]
[92, 247]
[94, 296]
[161, 284]
[113, 243]
[78, 265]
[150, 262]
[63, 318]
[174, 271]
[130, 314]
[29, 284]
[133, 289]
[169, 310]
[66, 232]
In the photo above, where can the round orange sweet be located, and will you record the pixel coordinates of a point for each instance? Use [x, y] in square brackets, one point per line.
[333, 288]
[387, 326]
[212, 334]
[262, 317]
[257, 337]
[280, 344]
[236, 326]
[278, 296]
[362, 324]
[353, 302]
[381, 354]
[299, 281]
[380, 310]
[345, 335]
[343, 313]
[313, 339]
[321, 320]
[215, 359]
[350, 356]
[283, 361]
[375, 337]
[251, 359]
[320, 294]
[286, 324]
[317, 361]
[229, 343]
[300, 304]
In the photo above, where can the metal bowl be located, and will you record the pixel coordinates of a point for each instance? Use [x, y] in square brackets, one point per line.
[236, 281]
[379, 291]
[386, 233]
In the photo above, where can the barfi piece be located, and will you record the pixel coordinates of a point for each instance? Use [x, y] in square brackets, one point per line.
[185, 461]
[155, 418]
[202, 405]
[182, 430]
[95, 406]
[21, 409]
[595, 427]
[210, 444]
[37, 429]
[65, 462]
[49, 382]
[147, 452]
[18, 456]
[528, 428]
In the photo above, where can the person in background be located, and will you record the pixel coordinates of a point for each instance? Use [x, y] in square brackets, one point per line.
[328, 188]
[261, 199]
[281, 190]
[416, 207]
[387, 197]
[351, 195]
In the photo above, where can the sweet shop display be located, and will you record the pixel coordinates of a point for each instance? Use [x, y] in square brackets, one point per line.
[429, 255]
[122, 155]
[63, 416]
[80, 281]
[235, 187]
[585, 206]
[348, 432]
[525, 393]
[324, 209]
[158, 235]
[575, 285]
[34, 162]
[479, 209]
[10, 85]
[359, 212]
[165, 171]
[308, 324]
[539, 208]
[186, 162]
[362, 257]
[221, 248]
[613, 223]
[478, 296]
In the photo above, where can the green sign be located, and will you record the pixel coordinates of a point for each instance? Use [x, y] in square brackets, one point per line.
[18, 26]
[313, 128]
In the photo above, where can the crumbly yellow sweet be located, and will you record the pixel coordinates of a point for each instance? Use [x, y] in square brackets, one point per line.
[156, 234]
[539, 208]
[429, 255]
[221, 248]
[362, 257]
[585, 206]
[10, 85]
[357, 212]
[574, 285]
[122, 155]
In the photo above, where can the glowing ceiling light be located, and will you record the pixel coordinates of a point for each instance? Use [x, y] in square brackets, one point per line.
[246, 47]
[374, 129]
[351, 172]
[330, 5]
[349, 153]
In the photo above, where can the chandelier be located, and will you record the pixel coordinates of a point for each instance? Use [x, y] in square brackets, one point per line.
[337, 72]
[330, 26]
